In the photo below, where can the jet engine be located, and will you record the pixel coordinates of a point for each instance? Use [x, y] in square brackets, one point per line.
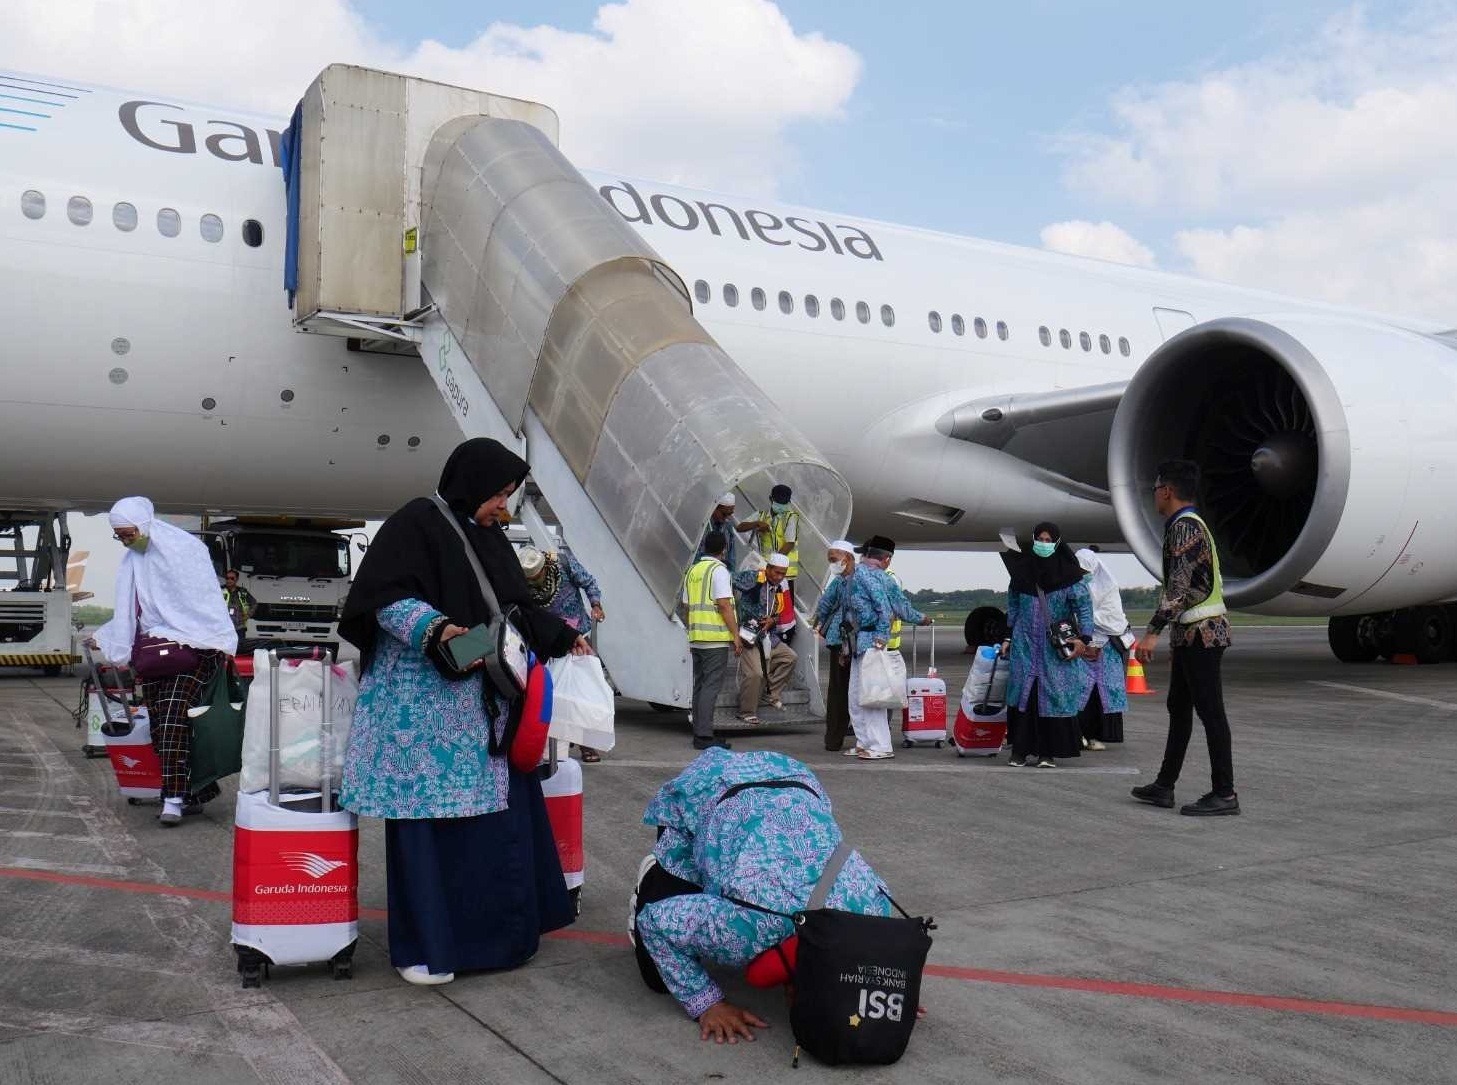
[1328, 451]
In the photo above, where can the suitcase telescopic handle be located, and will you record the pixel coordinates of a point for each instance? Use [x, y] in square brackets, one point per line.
[326, 725]
[101, 689]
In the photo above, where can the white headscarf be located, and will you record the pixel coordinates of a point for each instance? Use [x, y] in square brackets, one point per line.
[173, 581]
[1108, 616]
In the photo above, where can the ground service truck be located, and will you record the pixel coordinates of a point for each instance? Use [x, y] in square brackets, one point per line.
[35, 599]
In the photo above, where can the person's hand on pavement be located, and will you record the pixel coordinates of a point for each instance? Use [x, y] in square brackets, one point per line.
[723, 1022]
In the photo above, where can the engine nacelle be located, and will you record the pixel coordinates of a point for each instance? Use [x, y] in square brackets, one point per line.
[1328, 448]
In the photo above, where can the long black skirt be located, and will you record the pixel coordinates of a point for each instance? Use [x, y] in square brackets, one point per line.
[467, 894]
[1095, 723]
[1045, 736]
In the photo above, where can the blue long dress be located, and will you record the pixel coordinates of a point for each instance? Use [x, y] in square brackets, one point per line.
[1045, 693]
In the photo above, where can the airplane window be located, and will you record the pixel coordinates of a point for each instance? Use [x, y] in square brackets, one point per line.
[1065, 338]
[124, 217]
[757, 297]
[169, 222]
[1044, 335]
[252, 233]
[32, 204]
[1123, 347]
[862, 312]
[887, 316]
[78, 210]
[811, 305]
[786, 302]
[1085, 340]
[1003, 332]
[980, 327]
[211, 228]
[700, 291]
[837, 308]
[730, 295]
[958, 326]
[1104, 345]
[933, 318]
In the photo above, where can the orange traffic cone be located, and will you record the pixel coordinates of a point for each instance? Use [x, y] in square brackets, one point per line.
[1137, 681]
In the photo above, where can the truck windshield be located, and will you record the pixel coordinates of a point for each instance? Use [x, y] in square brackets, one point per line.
[316, 557]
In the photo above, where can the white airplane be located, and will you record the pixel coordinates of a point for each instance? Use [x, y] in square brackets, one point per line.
[964, 389]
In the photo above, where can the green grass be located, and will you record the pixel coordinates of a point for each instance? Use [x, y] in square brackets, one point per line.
[1139, 618]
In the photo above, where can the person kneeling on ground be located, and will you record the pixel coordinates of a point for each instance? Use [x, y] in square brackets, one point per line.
[763, 599]
[732, 828]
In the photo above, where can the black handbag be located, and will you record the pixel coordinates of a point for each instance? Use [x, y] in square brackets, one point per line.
[1061, 632]
[506, 662]
[857, 978]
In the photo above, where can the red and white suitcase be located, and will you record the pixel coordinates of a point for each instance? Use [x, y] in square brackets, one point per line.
[562, 786]
[923, 720]
[295, 862]
[126, 731]
[980, 728]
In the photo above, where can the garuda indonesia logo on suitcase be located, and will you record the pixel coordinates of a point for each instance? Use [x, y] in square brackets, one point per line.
[310, 863]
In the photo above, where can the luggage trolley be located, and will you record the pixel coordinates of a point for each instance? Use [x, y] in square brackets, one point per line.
[295, 858]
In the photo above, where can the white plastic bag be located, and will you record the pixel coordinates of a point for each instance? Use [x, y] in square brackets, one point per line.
[882, 679]
[300, 719]
[582, 703]
[987, 681]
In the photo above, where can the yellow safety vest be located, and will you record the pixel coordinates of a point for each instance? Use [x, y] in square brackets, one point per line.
[778, 535]
[894, 643]
[1213, 606]
[705, 623]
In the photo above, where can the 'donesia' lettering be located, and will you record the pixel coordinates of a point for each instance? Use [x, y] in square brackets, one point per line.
[750, 224]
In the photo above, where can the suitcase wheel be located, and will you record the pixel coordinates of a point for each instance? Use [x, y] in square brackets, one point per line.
[133, 801]
[252, 975]
[576, 895]
[907, 743]
[252, 966]
[342, 963]
[939, 744]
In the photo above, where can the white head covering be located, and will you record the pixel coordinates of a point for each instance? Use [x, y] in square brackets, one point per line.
[843, 545]
[728, 500]
[779, 561]
[532, 560]
[174, 584]
[1108, 616]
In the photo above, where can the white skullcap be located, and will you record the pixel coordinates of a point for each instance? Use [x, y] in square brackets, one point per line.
[779, 561]
[844, 545]
[728, 500]
[532, 560]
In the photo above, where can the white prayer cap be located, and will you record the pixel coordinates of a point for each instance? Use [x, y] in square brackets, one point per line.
[132, 512]
[728, 500]
[779, 561]
[532, 560]
[844, 545]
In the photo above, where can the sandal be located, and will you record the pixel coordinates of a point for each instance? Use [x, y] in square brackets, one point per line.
[590, 757]
[749, 718]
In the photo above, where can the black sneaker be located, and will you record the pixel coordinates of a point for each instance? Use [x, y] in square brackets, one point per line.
[1156, 794]
[1211, 805]
[710, 743]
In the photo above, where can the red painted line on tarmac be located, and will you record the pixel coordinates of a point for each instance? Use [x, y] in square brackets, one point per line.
[1156, 992]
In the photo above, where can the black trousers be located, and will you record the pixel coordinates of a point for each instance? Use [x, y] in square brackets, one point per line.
[837, 701]
[1195, 685]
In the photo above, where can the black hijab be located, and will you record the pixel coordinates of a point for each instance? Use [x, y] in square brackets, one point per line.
[1029, 572]
[417, 555]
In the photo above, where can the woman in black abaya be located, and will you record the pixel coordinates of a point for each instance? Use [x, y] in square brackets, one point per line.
[472, 868]
[1045, 690]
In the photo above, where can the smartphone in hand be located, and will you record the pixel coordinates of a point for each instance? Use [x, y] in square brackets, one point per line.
[470, 647]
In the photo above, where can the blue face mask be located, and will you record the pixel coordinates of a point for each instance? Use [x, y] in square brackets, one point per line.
[1044, 549]
[778, 507]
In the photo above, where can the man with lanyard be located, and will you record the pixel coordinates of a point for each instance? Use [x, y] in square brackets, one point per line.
[708, 596]
[779, 534]
[763, 599]
[1193, 602]
[831, 623]
[239, 601]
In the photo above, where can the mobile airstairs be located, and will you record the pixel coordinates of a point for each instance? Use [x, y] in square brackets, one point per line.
[445, 220]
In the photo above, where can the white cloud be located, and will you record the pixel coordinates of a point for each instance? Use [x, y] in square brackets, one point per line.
[695, 91]
[1320, 172]
[1100, 240]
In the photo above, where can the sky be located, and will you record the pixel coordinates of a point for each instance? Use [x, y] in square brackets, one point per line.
[1305, 147]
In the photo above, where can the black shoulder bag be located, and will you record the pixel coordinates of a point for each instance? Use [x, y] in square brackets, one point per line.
[1061, 632]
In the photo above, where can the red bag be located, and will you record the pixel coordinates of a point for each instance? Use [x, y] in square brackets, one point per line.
[775, 966]
[528, 744]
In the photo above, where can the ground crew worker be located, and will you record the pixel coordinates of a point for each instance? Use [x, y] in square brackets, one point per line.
[763, 597]
[239, 601]
[831, 623]
[1192, 602]
[712, 633]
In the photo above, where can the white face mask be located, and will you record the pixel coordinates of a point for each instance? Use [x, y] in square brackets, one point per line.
[837, 568]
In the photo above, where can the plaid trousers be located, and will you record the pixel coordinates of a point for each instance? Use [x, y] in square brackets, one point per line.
[168, 700]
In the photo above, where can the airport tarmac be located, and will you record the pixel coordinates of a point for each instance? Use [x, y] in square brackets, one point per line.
[1082, 937]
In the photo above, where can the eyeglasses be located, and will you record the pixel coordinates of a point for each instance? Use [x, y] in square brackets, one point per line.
[123, 538]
